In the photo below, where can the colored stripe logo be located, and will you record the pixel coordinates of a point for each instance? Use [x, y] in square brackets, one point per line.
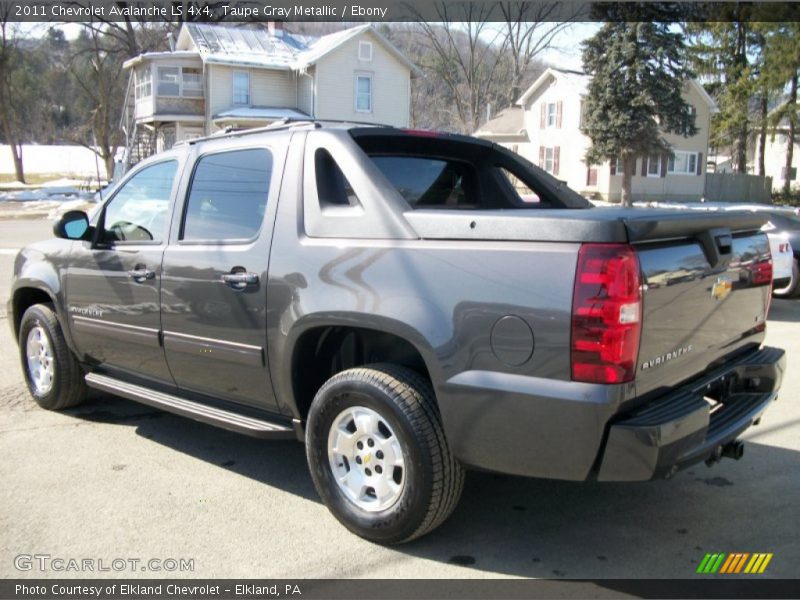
[734, 563]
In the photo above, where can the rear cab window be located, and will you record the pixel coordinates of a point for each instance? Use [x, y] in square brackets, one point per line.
[450, 172]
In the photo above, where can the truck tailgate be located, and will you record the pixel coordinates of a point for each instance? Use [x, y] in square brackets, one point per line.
[705, 298]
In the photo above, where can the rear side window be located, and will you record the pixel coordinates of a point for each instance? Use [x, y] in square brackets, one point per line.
[431, 182]
[228, 195]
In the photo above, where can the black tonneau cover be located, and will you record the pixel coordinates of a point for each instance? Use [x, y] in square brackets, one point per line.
[577, 225]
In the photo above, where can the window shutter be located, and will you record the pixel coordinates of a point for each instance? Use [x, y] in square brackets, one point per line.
[644, 166]
[699, 163]
[613, 166]
[591, 176]
[541, 157]
[543, 115]
[558, 114]
[664, 159]
[556, 153]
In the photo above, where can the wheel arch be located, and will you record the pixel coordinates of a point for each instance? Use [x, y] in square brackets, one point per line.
[321, 349]
[26, 296]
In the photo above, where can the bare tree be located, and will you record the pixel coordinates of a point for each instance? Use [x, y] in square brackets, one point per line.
[529, 32]
[467, 54]
[96, 68]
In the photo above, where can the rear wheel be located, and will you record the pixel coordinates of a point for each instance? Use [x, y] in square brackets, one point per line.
[54, 377]
[378, 455]
[792, 289]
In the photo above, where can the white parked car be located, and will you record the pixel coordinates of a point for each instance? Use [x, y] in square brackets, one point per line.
[782, 259]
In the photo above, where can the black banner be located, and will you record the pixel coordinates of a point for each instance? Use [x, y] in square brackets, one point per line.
[390, 11]
[394, 589]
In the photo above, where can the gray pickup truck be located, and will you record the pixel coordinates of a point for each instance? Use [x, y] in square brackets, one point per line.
[409, 305]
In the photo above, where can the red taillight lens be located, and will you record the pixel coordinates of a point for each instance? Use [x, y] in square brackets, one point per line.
[606, 314]
[762, 272]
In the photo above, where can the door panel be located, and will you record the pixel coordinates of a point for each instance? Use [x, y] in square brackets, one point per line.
[113, 287]
[214, 278]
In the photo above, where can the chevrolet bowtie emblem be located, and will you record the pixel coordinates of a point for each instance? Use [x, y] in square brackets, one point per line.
[722, 287]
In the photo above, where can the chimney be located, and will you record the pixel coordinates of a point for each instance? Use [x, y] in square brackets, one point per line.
[275, 28]
[171, 41]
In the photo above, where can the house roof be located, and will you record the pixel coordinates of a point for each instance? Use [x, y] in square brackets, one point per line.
[258, 47]
[575, 79]
[508, 123]
[260, 112]
[579, 82]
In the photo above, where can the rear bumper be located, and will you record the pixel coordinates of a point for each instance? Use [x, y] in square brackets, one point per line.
[682, 428]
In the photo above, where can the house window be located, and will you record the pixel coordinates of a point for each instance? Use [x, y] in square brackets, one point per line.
[364, 93]
[192, 83]
[551, 114]
[683, 163]
[169, 81]
[241, 87]
[178, 81]
[654, 165]
[549, 160]
[144, 84]
[619, 167]
[365, 51]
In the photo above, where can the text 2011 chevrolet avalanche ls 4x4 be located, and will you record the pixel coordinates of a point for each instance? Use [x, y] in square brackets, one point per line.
[409, 305]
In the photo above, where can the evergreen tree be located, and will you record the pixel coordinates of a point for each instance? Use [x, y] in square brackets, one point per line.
[782, 66]
[635, 95]
[721, 54]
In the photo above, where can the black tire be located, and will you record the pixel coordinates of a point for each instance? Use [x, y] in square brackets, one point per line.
[68, 387]
[433, 478]
[792, 290]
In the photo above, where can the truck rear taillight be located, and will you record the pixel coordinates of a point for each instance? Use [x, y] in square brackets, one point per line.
[606, 314]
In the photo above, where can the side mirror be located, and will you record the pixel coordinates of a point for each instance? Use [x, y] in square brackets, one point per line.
[73, 225]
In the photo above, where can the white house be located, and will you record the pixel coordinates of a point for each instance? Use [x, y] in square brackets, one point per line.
[240, 75]
[775, 158]
[547, 130]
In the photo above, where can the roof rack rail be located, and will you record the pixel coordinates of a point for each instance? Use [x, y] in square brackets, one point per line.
[284, 123]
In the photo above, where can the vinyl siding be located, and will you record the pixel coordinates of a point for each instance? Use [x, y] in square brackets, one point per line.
[267, 88]
[305, 91]
[335, 84]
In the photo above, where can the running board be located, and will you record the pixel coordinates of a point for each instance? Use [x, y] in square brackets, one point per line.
[194, 410]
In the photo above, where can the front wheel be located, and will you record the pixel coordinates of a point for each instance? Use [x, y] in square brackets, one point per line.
[378, 455]
[54, 377]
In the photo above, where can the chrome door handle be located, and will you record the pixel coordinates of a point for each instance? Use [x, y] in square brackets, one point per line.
[240, 280]
[140, 274]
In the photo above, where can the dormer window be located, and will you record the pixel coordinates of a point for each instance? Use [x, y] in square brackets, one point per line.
[365, 51]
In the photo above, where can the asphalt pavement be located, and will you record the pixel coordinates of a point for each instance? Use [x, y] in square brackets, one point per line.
[112, 479]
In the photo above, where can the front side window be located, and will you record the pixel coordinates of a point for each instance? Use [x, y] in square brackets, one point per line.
[364, 93]
[228, 195]
[683, 163]
[620, 167]
[139, 211]
[169, 81]
[241, 87]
